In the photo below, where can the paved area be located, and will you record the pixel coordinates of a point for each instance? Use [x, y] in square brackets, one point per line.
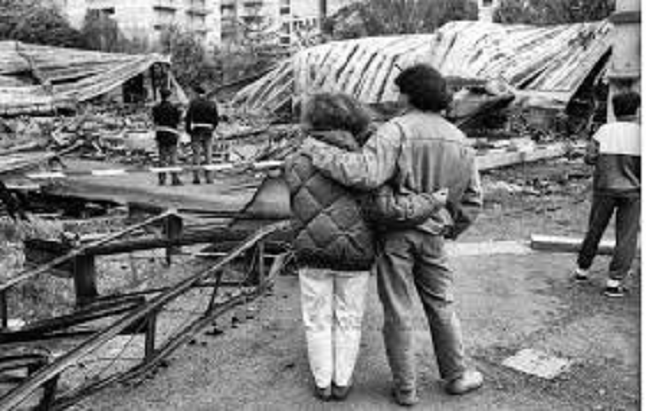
[507, 302]
[229, 192]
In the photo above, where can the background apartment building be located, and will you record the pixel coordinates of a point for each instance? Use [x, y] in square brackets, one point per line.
[300, 17]
[217, 22]
[146, 19]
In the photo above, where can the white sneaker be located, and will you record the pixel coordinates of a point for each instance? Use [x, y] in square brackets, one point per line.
[581, 275]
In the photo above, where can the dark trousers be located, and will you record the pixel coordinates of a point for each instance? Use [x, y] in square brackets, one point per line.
[168, 157]
[412, 261]
[626, 232]
[202, 147]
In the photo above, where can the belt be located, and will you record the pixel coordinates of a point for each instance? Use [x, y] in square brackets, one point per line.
[202, 125]
[167, 129]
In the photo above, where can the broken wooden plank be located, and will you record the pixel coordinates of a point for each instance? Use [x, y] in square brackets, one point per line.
[566, 244]
[497, 159]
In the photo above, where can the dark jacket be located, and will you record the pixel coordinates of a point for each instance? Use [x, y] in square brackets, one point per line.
[202, 113]
[328, 225]
[166, 114]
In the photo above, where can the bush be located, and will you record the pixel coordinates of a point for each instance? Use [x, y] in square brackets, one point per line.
[191, 64]
[548, 12]
[385, 17]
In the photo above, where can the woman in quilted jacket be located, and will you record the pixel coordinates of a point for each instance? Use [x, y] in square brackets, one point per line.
[334, 244]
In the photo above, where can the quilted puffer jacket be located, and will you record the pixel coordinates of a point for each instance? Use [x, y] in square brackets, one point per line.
[329, 229]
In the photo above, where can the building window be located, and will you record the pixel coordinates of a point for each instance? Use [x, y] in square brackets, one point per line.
[104, 11]
[164, 17]
[164, 5]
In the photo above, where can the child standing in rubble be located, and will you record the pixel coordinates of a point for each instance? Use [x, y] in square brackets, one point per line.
[166, 117]
[334, 242]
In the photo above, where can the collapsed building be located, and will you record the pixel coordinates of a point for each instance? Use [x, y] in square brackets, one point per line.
[493, 64]
[36, 79]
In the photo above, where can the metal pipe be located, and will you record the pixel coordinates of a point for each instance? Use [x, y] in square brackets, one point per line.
[183, 337]
[16, 396]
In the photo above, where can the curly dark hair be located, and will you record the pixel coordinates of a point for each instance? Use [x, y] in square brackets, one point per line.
[425, 87]
[335, 111]
[626, 103]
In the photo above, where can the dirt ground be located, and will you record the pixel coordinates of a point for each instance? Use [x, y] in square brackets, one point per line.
[507, 301]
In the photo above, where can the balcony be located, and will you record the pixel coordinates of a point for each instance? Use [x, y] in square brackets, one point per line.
[197, 8]
[253, 3]
[170, 5]
[252, 20]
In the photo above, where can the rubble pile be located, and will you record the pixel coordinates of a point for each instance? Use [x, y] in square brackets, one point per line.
[125, 134]
[566, 176]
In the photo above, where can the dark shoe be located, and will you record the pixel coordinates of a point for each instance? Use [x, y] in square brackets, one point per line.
[405, 398]
[177, 182]
[341, 392]
[323, 394]
[615, 292]
[161, 179]
[196, 181]
[581, 275]
[469, 381]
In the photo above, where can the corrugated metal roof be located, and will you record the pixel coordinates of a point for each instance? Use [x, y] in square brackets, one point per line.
[63, 75]
[554, 59]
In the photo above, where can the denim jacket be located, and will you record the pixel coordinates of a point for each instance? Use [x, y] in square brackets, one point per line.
[420, 152]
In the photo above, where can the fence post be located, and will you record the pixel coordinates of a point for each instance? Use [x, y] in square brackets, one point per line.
[173, 229]
[151, 323]
[85, 279]
[4, 311]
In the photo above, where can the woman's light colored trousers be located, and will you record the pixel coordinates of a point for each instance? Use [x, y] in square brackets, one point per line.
[333, 304]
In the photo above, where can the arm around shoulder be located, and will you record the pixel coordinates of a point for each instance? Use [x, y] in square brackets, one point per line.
[366, 169]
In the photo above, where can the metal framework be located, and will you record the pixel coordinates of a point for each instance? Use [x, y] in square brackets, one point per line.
[137, 313]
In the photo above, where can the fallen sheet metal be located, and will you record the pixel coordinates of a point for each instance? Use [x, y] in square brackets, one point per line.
[538, 363]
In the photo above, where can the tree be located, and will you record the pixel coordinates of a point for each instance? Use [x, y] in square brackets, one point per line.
[549, 12]
[384, 17]
[31, 22]
[191, 65]
[102, 32]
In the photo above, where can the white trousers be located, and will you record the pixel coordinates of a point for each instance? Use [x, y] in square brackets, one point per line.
[333, 304]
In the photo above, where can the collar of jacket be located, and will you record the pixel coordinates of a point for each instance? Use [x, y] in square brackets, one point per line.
[338, 138]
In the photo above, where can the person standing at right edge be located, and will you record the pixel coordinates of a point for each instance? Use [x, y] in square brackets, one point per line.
[201, 120]
[615, 151]
[421, 152]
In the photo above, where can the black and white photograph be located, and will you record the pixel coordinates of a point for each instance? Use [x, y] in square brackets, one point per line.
[353, 205]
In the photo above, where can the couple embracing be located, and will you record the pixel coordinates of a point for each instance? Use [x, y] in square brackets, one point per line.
[382, 200]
